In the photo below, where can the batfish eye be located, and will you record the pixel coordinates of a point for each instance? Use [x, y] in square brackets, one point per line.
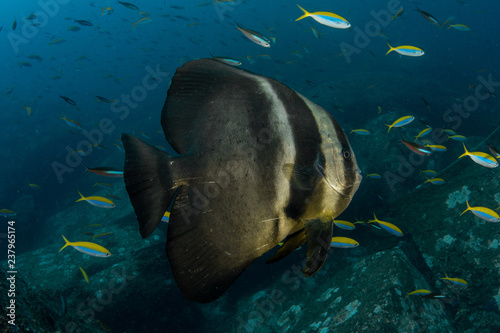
[347, 154]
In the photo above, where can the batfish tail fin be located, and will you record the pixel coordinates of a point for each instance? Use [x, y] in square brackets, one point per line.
[149, 182]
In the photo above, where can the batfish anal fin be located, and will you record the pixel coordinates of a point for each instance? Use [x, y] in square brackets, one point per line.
[290, 244]
[148, 181]
[205, 260]
[319, 238]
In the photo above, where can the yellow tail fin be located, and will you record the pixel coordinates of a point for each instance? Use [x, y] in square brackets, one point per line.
[466, 152]
[468, 208]
[306, 14]
[390, 49]
[67, 243]
[82, 198]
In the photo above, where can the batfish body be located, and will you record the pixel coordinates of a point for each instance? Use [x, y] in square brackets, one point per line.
[258, 164]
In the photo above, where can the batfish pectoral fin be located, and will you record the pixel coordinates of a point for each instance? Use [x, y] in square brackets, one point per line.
[149, 182]
[291, 243]
[302, 178]
[319, 238]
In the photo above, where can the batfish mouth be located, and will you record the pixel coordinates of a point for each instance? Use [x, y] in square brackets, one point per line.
[344, 186]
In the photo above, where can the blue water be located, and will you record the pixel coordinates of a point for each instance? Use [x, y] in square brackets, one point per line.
[118, 59]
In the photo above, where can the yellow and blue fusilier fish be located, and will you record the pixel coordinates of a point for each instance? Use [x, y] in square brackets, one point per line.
[374, 176]
[428, 172]
[460, 27]
[228, 60]
[423, 132]
[85, 276]
[481, 158]
[435, 181]
[449, 131]
[255, 37]
[440, 148]
[406, 50]
[71, 122]
[389, 227]
[419, 292]
[143, 20]
[89, 248]
[457, 137]
[326, 18]
[346, 225]
[97, 201]
[400, 122]
[360, 131]
[484, 213]
[102, 235]
[106, 11]
[343, 242]
[457, 281]
[7, 212]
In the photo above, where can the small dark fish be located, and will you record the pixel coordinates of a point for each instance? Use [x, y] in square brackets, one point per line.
[1, 28]
[338, 108]
[36, 24]
[103, 99]
[25, 64]
[84, 22]
[373, 54]
[74, 28]
[433, 296]
[31, 17]
[105, 171]
[176, 7]
[416, 148]
[102, 235]
[14, 25]
[129, 5]
[68, 100]
[182, 17]
[36, 57]
[63, 305]
[309, 82]
[426, 104]
[495, 152]
[428, 16]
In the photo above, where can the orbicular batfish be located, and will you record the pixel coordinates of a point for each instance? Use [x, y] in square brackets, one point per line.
[258, 164]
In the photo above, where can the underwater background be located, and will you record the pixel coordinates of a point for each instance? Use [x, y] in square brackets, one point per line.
[126, 53]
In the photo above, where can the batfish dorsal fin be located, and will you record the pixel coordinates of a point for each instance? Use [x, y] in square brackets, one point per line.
[319, 238]
[148, 182]
[197, 88]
